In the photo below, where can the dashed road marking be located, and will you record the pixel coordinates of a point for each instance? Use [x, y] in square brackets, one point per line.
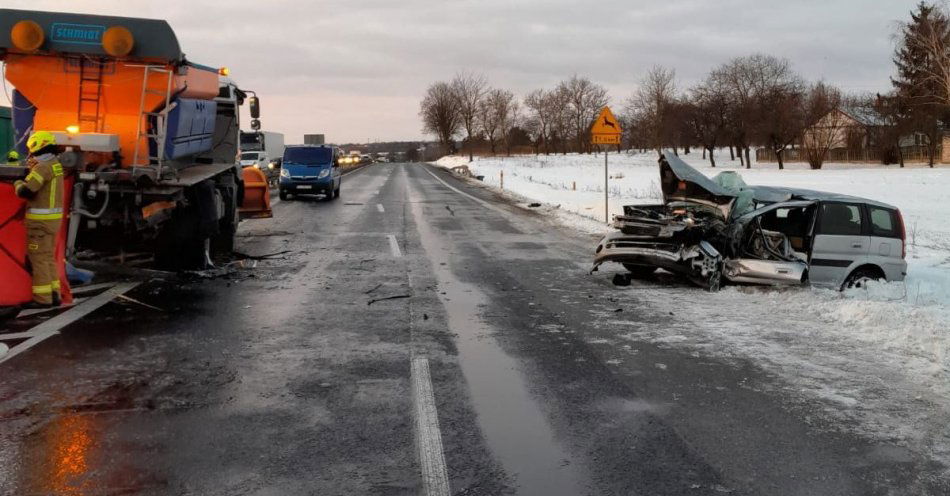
[435, 477]
[379, 206]
[51, 327]
[394, 245]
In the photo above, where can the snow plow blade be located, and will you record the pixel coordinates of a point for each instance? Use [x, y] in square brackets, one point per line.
[256, 204]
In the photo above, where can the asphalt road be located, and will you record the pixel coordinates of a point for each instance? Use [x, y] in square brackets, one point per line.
[419, 335]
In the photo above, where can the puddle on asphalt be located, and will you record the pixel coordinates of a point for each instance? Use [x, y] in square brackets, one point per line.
[514, 426]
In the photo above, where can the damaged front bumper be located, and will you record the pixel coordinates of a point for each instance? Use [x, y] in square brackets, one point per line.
[696, 261]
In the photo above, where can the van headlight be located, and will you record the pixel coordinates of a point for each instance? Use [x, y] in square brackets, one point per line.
[284, 173]
[324, 173]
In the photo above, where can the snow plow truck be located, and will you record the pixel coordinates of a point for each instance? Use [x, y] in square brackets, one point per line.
[151, 138]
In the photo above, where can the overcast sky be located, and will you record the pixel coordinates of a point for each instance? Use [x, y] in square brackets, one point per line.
[355, 70]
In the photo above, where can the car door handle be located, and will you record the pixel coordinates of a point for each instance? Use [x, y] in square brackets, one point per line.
[856, 245]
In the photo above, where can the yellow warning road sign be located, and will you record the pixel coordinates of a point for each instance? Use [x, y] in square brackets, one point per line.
[606, 129]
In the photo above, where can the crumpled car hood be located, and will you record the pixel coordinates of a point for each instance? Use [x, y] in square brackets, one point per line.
[680, 182]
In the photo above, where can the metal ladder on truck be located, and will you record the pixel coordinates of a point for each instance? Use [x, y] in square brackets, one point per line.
[90, 94]
[160, 130]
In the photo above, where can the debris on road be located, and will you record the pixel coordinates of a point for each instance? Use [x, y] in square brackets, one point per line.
[397, 297]
[260, 257]
[374, 288]
[137, 302]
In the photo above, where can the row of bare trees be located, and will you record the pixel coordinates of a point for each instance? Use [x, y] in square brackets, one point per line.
[755, 101]
[469, 107]
[553, 120]
[752, 101]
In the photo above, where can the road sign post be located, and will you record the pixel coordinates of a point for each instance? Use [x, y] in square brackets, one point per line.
[605, 132]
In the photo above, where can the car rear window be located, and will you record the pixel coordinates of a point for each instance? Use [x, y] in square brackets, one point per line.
[883, 222]
[840, 219]
[249, 156]
[308, 155]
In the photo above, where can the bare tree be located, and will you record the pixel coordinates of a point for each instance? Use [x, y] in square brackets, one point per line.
[651, 105]
[538, 104]
[895, 124]
[440, 115]
[706, 115]
[746, 78]
[559, 101]
[826, 123]
[584, 100]
[779, 93]
[469, 90]
[488, 118]
[509, 115]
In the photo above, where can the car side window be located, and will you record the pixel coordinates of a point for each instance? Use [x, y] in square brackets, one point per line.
[882, 223]
[840, 219]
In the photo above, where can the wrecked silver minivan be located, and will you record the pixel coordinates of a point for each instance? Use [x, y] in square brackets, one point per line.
[714, 229]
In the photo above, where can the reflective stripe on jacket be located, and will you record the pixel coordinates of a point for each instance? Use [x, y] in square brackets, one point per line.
[45, 181]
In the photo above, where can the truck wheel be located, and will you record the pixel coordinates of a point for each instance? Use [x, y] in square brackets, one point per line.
[223, 242]
[179, 246]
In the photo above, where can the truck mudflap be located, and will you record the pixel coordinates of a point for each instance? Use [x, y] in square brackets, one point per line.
[256, 204]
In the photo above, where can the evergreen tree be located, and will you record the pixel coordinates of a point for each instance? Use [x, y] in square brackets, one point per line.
[917, 63]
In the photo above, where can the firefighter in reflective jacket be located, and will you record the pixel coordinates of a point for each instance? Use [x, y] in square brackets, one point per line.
[43, 191]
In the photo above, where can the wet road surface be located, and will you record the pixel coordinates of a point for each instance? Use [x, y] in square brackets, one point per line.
[299, 375]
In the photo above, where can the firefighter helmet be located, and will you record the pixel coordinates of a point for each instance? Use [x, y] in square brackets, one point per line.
[40, 140]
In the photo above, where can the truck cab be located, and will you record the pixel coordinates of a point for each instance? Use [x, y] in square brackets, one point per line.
[310, 170]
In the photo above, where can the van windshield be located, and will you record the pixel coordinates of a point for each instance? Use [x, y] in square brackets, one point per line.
[308, 156]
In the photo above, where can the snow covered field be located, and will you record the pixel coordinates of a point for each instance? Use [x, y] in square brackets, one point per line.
[878, 359]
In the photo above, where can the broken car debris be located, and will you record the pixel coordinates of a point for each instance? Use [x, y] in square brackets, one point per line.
[710, 229]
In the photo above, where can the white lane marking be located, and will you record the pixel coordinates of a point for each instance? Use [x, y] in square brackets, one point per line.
[16, 335]
[394, 245]
[478, 200]
[435, 477]
[92, 287]
[36, 311]
[52, 326]
[379, 206]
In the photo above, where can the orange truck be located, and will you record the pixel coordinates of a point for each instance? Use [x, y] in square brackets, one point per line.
[151, 139]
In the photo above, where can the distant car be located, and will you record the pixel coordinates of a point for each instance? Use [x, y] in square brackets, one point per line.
[756, 234]
[310, 169]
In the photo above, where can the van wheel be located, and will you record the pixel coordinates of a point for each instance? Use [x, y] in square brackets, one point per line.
[861, 276]
[282, 195]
